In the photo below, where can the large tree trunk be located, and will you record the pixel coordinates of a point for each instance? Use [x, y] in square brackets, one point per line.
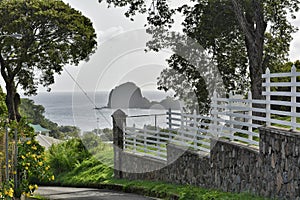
[12, 101]
[255, 54]
[12, 97]
[253, 26]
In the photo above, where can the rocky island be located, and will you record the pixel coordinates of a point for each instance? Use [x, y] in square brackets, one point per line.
[128, 95]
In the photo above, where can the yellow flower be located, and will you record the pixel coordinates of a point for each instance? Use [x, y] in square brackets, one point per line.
[26, 168]
[36, 187]
[14, 172]
[52, 178]
[31, 187]
[9, 193]
[40, 163]
[34, 147]
[28, 142]
[23, 157]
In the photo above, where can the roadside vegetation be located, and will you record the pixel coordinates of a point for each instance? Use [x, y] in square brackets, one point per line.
[74, 165]
[27, 164]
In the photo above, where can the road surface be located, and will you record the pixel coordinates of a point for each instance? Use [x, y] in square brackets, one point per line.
[86, 194]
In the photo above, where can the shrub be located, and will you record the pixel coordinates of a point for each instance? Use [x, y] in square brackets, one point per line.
[63, 157]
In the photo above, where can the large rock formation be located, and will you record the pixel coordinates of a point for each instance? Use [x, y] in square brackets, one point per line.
[128, 95]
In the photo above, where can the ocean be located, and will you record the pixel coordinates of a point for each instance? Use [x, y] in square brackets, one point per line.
[77, 109]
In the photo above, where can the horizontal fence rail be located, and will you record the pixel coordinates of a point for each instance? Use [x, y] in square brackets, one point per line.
[232, 118]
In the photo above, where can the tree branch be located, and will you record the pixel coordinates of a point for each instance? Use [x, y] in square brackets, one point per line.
[242, 20]
[261, 25]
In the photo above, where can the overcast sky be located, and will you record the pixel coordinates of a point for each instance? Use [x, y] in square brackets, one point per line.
[120, 56]
[107, 68]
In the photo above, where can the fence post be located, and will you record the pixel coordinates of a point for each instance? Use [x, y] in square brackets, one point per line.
[268, 97]
[293, 97]
[170, 122]
[6, 154]
[170, 118]
[134, 139]
[196, 128]
[119, 124]
[215, 115]
[16, 174]
[145, 138]
[158, 143]
[231, 119]
[155, 122]
[250, 121]
[181, 119]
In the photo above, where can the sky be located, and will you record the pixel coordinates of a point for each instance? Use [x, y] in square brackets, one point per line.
[120, 56]
[107, 68]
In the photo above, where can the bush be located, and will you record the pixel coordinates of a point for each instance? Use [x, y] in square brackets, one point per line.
[63, 157]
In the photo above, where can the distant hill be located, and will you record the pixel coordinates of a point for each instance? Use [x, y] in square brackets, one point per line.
[128, 95]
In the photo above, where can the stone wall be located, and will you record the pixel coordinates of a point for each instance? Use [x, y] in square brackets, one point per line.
[234, 167]
[271, 171]
[280, 163]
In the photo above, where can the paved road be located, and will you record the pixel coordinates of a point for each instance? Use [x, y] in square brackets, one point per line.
[86, 194]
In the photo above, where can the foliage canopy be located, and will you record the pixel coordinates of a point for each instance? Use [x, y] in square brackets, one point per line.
[53, 34]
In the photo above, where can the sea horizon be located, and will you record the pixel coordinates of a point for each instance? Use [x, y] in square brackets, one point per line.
[76, 109]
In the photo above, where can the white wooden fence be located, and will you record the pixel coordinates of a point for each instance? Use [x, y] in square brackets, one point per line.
[233, 118]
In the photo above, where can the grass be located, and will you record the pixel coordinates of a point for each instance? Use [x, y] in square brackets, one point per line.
[38, 197]
[185, 192]
[89, 171]
[284, 118]
[93, 173]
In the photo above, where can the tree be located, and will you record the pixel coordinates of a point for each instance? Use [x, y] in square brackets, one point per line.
[241, 35]
[68, 132]
[35, 114]
[188, 84]
[53, 34]
[92, 142]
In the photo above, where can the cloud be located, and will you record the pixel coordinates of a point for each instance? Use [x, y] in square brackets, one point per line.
[295, 49]
[109, 33]
[295, 44]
